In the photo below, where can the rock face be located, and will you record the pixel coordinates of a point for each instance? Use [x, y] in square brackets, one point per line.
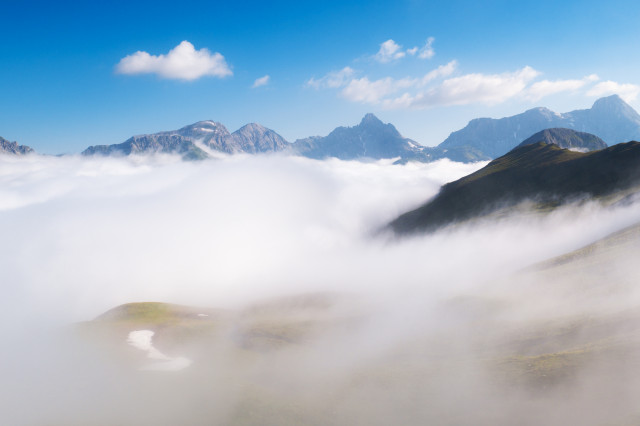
[7, 147]
[543, 173]
[568, 139]
[370, 139]
[193, 141]
[609, 118]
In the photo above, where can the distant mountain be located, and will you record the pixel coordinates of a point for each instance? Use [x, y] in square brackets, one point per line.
[369, 139]
[568, 139]
[193, 141]
[541, 172]
[610, 118]
[7, 147]
[254, 138]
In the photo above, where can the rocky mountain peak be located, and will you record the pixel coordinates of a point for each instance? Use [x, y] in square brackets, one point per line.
[370, 120]
[614, 105]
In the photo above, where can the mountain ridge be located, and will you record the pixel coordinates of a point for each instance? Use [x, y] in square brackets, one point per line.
[541, 172]
[610, 118]
[7, 147]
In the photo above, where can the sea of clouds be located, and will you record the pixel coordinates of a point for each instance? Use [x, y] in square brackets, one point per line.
[79, 236]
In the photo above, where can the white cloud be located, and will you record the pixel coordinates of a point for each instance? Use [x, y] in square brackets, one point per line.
[262, 81]
[366, 91]
[371, 92]
[412, 51]
[427, 51]
[333, 80]
[628, 92]
[389, 51]
[441, 71]
[183, 62]
[544, 88]
[466, 89]
[489, 89]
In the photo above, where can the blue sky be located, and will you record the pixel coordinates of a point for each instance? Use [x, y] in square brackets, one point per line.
[70, 75]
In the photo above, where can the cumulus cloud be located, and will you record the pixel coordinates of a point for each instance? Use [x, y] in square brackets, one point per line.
[389, 51]
[628, 92]
[541, 89]
[183, 62]
[262, 81]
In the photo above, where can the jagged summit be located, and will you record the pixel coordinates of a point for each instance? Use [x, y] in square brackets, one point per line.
[370, 119]
[7, 147]
[370, 139]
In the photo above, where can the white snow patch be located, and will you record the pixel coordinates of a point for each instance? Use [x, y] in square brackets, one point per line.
[142, 339]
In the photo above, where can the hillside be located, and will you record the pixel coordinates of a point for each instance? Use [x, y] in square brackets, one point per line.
[541, 172]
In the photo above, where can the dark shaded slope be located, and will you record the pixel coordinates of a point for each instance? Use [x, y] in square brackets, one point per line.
[542, 172]
[567, 138]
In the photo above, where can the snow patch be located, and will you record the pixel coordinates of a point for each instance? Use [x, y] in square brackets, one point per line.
[142, 340]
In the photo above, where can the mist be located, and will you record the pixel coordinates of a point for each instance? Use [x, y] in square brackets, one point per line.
[83, 235]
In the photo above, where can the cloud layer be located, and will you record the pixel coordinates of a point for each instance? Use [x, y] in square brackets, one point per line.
[82, 235]
[183, 62]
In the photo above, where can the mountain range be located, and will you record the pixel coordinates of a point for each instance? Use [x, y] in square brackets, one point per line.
[198, 141]
[610, 119]
[542, 173]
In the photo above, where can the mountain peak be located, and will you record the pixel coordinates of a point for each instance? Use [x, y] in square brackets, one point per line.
[370, 119]
[567, 138]
[615, 104]
[253, 126]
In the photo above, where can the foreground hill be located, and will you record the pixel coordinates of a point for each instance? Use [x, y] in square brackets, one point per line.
[609, 118]
[544, 173]
[561, 334]
[7, 147]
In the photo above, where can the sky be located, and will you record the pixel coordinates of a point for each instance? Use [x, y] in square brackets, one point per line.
[76, 74]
